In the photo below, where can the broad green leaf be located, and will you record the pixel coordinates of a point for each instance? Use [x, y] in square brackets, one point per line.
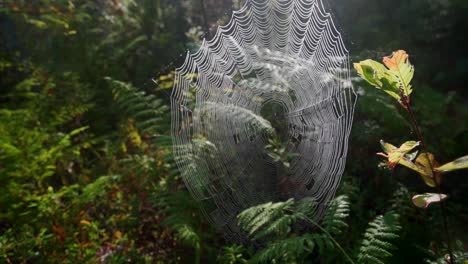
[460, 163]
[426, 162]
[424, 200]
[408, 146]
[377, 75]
[370, 71]
[390, 86]
[410, 165]
[394, 79]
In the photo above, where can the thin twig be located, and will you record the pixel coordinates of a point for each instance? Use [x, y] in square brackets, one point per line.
[329, 235]
[414, 123]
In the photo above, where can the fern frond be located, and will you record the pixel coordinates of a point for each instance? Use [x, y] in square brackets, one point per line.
[401, 201]
[232, 255]
[138, 164]
[148, 112]
[255, 218]
[187, 235]
[182, 216]
[287, 250]
[377, 243]
[335, 215]
[273, 222]
[306, 207]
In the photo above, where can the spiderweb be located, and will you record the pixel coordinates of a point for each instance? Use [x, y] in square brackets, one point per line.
[280, 69]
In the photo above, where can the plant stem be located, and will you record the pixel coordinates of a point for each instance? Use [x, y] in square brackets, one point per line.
[414, 123]
[197, 254]
[329, 235]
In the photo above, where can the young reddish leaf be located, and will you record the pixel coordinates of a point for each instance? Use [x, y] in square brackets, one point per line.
[424, 200]
[402, 71]
[460, 163]
[387, 147]
[397, 58]
[394, 154]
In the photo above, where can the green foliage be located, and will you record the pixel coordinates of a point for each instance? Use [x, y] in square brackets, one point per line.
[181, 216]
[276, 150]
[234, 254]
[147, 111]
[460, 254]
[274, 223]
[460, 163]
[377, 243]
[394, 79]
[184, 218]
[334, 219]
[86, 174]
[276, 216]
[288, 250]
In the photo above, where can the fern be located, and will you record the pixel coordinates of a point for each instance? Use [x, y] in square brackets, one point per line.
[267, 219]
[148, 112]
[234, 254]
[287, 250]
[377, 243]
[182, 216]
[139, 164]
[401, 201]
[337, 212]
[274, 222]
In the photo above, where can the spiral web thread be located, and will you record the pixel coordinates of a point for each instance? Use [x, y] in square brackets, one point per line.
[287, 52]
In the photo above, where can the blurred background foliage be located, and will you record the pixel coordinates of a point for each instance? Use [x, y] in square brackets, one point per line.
[86, 173]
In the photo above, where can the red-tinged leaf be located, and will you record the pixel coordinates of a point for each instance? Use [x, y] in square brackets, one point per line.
[398, 155]
[401, 72]
[397, 58]
[387, 147]
[382, 154]
[424, 200]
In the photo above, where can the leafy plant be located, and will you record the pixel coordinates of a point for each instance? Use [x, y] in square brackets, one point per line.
[377, 243]
[234, 254]
[394, 77]
[274, 223]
